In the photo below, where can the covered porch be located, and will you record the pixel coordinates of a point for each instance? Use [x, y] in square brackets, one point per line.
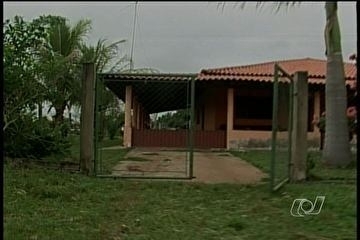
[146, 95]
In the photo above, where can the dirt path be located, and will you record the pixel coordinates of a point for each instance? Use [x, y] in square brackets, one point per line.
[209, 167]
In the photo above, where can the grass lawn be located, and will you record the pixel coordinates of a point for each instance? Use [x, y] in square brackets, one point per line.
[48, 204]
[75, 144]
[109, 156]
[261, 159]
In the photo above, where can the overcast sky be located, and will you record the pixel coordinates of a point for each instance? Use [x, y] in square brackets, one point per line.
[186, 37]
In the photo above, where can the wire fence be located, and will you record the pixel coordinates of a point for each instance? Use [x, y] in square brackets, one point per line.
[281, 128]
[154, 140]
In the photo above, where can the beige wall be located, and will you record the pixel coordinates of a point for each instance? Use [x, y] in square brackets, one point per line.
[214, 101]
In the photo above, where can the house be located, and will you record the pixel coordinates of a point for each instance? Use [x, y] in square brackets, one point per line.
[232, 104]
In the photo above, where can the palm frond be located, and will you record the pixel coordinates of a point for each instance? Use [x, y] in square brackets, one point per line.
[286, 5]
[276, 6]
[101, 54]
[79, 31]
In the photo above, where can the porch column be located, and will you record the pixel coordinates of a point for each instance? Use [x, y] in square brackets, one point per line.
[127, 127]
[230, 116]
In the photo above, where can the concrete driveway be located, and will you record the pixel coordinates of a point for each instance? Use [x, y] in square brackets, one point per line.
[209, 167]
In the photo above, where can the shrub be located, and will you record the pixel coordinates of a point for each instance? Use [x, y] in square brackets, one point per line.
[30, 138]
[112, 128]
[352, 122]
[113, 124]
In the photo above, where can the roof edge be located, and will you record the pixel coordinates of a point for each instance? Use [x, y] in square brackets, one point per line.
[153, 74]
[205, 70]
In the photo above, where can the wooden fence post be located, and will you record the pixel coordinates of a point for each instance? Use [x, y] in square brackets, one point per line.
[87, 119]
[300, 127]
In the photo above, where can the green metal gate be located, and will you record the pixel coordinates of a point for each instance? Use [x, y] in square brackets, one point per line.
[153, 91]
[282, 126]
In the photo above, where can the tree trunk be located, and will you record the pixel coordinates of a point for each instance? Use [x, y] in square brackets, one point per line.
[40, 110]
[59, 113]
[336, 147]
[69, 109]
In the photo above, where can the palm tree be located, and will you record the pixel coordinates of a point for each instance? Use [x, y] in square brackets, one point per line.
[337, 147]
[336, 150]
[62, 73]
[102, 55]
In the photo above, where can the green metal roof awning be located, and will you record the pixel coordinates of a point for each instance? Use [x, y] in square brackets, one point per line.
[157, 92]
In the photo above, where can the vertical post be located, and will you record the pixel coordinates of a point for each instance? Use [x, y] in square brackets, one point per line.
[230, 116]
[192, 127]
[274, 126]
[87, 118]
[299, 133]
[127, 127]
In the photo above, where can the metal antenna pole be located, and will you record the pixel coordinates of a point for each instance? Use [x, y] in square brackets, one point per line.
[133, 39]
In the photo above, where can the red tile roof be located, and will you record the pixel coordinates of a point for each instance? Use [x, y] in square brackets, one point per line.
[316, 69]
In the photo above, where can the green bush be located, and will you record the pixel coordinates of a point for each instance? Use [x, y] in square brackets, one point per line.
[30, 138]
[113, 124]
[352, 123]
[112, 128]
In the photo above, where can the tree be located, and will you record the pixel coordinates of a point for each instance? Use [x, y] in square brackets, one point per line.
[178, 120]
[114, 121]
[24, 136]
[102, 55]
[23, 42]
[337, 148]
[62, 71]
